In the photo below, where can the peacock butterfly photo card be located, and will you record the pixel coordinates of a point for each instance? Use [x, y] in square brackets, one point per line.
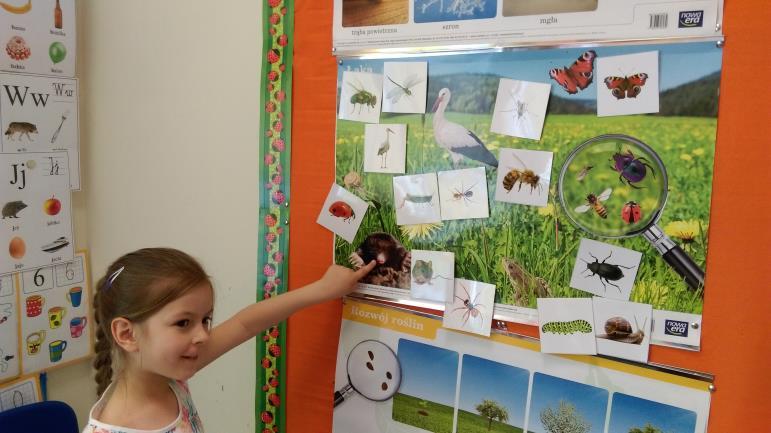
[628, 84]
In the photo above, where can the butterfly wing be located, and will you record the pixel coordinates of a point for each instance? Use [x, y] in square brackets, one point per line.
[578, 76]
[635, 83]
[617, 86]
[561, 76]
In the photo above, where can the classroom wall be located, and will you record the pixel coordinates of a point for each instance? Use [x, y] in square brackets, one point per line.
[169, 148]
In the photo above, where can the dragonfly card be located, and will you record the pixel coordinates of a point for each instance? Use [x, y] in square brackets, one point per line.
[36, 224]
[342, 212]
[605, 270]
[520, 108]
[360, 96]
[471, 308]
[404, 87]
[463, 193]
[524, 176]
[432, 275]
[566, 325]
[622, 328]
[629, 84]
[416, 199]
[385, 148]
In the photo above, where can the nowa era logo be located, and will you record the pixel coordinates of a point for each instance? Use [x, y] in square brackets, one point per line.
[676, 328]
[691, 19]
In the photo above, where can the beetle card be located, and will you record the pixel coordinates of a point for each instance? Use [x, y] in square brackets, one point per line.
[385, 148]
[360, 96]
[523, 176]
[342, 212]
[566, 325]
[432, 275]
[416, 199]
[622, 328]
[520, 108]
[463, 193]
[628, 84]
[404, 87]
[605, 270]
[471, 308]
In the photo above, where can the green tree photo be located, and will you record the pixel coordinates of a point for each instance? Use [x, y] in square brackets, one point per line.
[649, 428]
[491, 410]
[564, 419]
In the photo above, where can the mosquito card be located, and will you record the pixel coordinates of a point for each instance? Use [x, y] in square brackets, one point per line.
[432, 275]
[605, 270]
[416, 199]
[342, 212]
[622, 328]
[463, 194]
[471, 309]
[629, 84]
[566, 325]
[360, 96]
[404, 89]
[523, 177]
[385, 148]
[520, 108]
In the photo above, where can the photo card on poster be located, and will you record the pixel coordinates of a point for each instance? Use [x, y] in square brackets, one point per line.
[524, 176]
[432, 275]
[360, 96]
[520, 108]
[404, 89]
[605, 270]
[622, 328]
[556, 402]
[342, 212]
[566, 325]
[629, 84]
[385, 148]
[471, 309]
[416, 199]
[463, 193]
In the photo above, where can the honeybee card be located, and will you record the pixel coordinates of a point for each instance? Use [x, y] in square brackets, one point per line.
[628, 84]
[524, 176]
[471, 308]
[385, 148]
[605, 270]
[566, 325]
[622, 328]
[432, 275]
[520, 108]
[416, 199]
[404, 87]
[342, 212]
[360, 96]
[463, 194]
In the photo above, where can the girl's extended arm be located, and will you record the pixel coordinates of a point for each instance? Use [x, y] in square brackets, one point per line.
[336, 282]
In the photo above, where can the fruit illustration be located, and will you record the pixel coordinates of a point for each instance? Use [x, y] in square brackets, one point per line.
[17, 9]
[52, 206]
[17, 248]
[17, 48]
[57, 52]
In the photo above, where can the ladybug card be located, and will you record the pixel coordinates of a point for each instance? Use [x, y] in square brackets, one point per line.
[360, 96]
[622, 328]
[520, 108]
[385, 148]
[342, 212]
[628, 84]
[471, 308]
[605, 270]
[566, 325]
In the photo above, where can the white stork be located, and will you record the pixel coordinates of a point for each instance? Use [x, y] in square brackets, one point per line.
[382, 151]
[458, 140]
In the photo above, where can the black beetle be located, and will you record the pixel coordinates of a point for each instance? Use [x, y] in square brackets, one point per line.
[605, 271]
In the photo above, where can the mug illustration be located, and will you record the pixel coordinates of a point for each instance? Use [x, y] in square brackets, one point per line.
[56, 350]
[75, 295]
[56, 316]
[77, 325]
[35, 305]
[34, 340]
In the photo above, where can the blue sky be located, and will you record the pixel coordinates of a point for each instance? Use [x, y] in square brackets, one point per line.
[428, 372]
[628, 412]
[484, 379]
[591, 402]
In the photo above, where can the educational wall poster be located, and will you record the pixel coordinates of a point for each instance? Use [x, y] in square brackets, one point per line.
[400, 371]
[40, 114]
[36, 224]
[20, 392]
[637, 187]
[365, 25]
[38, 37]
[10, 362]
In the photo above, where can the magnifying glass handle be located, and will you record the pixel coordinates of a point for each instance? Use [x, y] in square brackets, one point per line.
[676, 258]
[340, 395]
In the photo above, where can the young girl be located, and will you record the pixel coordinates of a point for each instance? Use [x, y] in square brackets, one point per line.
[153, 311]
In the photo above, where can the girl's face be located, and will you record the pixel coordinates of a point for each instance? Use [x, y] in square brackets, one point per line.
[170, 339]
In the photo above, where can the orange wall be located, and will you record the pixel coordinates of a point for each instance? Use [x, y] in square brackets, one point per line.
[737, 309]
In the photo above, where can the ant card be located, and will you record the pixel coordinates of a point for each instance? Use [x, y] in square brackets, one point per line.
[360, 94]
[520, 108]
[342, 212]
[404, 87]
[385, 148]
[628, 84]
[523, 177]
[463, 194]
[471, 309]
[605, 270]
[432, 275]
[566, 325]
[622, 328]
[416, 199]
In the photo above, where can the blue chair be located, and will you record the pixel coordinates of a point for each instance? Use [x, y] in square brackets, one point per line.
[43, 417]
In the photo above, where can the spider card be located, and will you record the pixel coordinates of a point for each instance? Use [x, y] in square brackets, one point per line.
[622, 328]
[360, 96]
[520, 108]
[385, 148]
[471, 309]
[404, 87]
[463, 194]
[605, 270]
[628, 84]
[567, 325]
[432, 275]
[523, 177]
[342, 212]
[416, 199]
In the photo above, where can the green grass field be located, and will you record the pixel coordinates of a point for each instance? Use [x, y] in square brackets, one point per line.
[472, 423]
[542, 240]
[434, 417]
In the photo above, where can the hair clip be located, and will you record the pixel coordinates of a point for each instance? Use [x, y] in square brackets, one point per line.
[112, 277]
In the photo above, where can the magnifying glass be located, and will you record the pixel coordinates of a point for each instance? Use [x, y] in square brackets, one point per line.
[615, 186]
[373, 371]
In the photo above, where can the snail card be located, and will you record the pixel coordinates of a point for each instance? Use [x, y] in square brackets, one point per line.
[471, 308]
[566, 325]
[523, 176]
[360, 96]
[463, 194]
[385, 148]
[628, 84]
[520, 108]
[432, 275]
[404, 87]
[342, 212]
[622, 328]
[416, 199]
[605, 270]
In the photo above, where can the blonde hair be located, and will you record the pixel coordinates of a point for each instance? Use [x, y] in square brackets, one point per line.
[134, 287]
